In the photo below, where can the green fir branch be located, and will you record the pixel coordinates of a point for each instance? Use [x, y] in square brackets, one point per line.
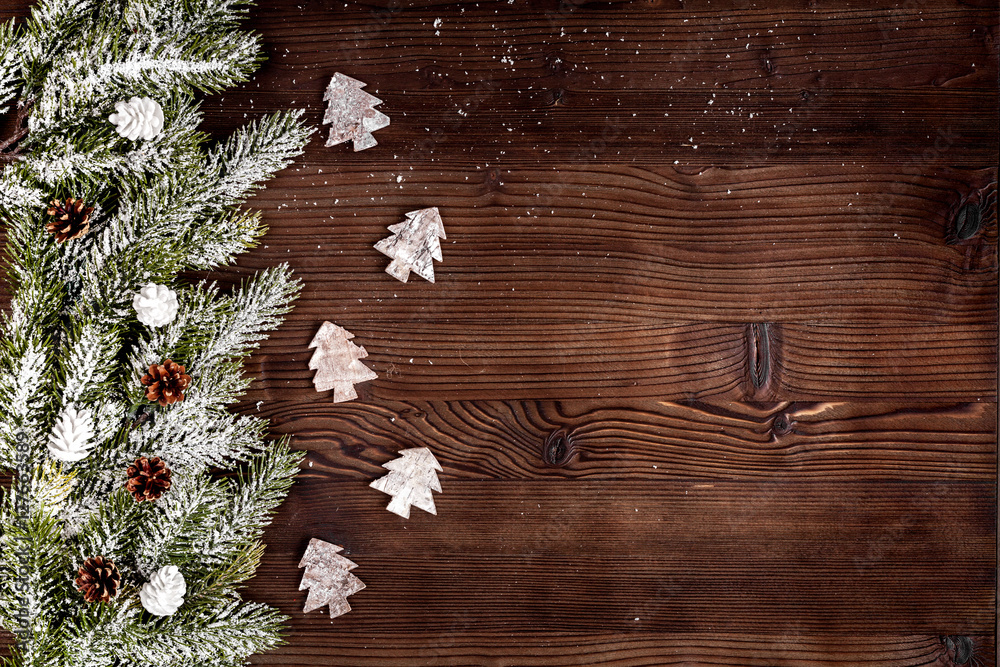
[9, 65]
[72, 339]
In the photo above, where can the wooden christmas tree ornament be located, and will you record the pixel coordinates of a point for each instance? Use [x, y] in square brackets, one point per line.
[328, 578]
[337, 362]
[414, 245]
[413, 477]
[350, 113]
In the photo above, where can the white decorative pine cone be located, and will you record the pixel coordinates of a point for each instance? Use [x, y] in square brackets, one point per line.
[155, 305]
[70, 437]
[139, 118]
[164, 593]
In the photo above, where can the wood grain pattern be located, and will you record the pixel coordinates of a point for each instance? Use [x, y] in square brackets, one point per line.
[634, 244]
[850, 361]
[681, 555]
[633, 649]
[949, 47]
[631, 127]
[521, 361]
[601, 439]
[711, 363]
[540, 83]
[669, 362]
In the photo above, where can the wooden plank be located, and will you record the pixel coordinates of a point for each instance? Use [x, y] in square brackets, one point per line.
[510, 129]
[679, 555]
[899, 362]
[461, 646]
[794, 45]
[520, 361]
[627, 244]
[14, 9]
[580, 294]
[503, 87]
[515, 361]
[316, 646]
[607, 439]
[631, 245]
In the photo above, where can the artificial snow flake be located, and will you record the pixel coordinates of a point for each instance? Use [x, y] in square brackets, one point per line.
[328, 578]
[69, 440]
[139, 118]
[155, 305]
[414, 245]
[413, 477]
[350, 113]
[337, 361]
[164, 593]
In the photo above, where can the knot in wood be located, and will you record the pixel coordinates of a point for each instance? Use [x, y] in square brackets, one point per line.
[781, 425]
[759, 354]
[967, 221]
[558, 448]
[959, 647]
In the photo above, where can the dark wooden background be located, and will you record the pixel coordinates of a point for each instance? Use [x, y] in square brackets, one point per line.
[711, 376]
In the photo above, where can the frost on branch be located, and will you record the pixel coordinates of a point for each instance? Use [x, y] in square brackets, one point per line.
[166, 198]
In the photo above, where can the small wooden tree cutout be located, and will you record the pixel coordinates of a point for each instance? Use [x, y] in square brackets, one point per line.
[350, 113]
[413, 477]
[328, 578]
[336, 361]
[414, 245]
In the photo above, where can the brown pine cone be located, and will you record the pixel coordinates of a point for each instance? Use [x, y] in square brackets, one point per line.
[148, 478]
[72, 219]
[98, 579]
[166, 382]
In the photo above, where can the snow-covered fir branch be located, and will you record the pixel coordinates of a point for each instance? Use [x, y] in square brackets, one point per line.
[75, 408]
[8, 66]
[215, 636]
[261, 485]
